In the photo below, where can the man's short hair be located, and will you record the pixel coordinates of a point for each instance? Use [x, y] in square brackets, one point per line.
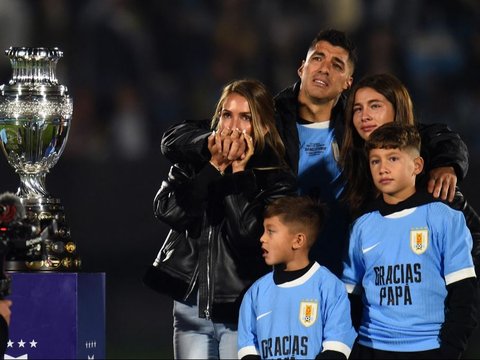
[300, 214]
[394, 136]
[337, 38]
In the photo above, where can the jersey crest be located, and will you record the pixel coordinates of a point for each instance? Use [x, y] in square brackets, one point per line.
[419, 240]
[308, 312]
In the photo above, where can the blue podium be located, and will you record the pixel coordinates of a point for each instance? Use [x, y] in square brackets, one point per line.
[57, 316]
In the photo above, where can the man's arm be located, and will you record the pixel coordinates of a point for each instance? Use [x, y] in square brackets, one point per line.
[446, 159]
[186, 142]
[443, 147]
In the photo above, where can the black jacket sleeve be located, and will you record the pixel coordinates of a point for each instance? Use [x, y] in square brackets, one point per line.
[330, 354]
[247, 194]
[187, 142]
[473, 223]
[443, 147]
[182, 198]
[460, 317]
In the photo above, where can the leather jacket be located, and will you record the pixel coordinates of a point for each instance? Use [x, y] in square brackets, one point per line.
[286, 104]
[216, 225]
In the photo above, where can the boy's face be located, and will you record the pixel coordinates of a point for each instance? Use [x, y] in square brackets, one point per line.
[277, 242]
[394, 172]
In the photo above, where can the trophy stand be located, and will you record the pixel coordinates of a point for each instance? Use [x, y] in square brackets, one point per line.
[58, 309]
[58, 252]
[35, 117]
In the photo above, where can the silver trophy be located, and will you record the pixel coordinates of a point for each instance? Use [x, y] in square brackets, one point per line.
[35, 117]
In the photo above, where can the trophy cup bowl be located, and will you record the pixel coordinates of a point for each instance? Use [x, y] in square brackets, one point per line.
[35, 118]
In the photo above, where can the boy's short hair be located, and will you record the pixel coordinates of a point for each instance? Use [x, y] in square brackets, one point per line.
[337, 38]
[300, 213]
[394, 136]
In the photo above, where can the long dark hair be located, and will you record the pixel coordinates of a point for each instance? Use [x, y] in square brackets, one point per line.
[359, 188]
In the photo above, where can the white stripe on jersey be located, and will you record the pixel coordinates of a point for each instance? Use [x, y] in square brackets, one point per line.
[336, 346]
[247, 350]
[459, 275]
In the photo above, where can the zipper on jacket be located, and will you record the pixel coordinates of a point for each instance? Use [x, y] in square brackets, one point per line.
[204, 302]
[209, 241]
[192, 285]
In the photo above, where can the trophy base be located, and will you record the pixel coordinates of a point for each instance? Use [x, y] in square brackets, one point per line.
[52, 248]
[51, 264]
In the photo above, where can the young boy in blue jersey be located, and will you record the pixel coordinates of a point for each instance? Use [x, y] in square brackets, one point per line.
[411, 256]
[300, 310]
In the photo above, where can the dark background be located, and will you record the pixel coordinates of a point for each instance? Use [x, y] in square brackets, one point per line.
[135, 67]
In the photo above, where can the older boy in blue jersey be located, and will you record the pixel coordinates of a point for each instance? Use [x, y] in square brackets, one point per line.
[300, 310]
[412, 258]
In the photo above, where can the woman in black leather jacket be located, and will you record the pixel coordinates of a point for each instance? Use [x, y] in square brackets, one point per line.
[215, 209]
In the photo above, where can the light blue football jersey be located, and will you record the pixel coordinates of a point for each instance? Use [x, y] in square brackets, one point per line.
[319, 175]
[403, 262]
[296, 319]
[318, 169]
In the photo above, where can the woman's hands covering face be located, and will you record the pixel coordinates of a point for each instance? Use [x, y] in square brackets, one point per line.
[228, 146]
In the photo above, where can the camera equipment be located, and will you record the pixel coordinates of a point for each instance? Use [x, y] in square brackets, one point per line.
[19, 240]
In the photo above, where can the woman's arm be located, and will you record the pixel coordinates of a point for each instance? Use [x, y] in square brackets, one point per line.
[247, 194]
